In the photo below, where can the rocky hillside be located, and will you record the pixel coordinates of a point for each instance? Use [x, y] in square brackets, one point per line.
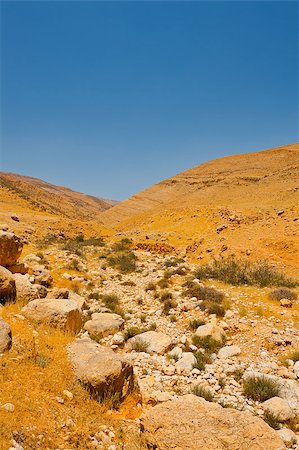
[110, 348]
[245, 204]
[46, 197]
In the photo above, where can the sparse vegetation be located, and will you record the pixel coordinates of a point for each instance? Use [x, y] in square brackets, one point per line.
[201, 360]
[279, 294]
[132, 331]
[203, 391]
[209, 344]
[124, 261]
[195, 323]
[235, 271]
[260, 388]
[271, 420]
[139, 345]
[173, 262]
[150, 287]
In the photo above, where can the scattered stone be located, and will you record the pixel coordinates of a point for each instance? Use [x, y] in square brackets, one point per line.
[154, 341]
[211, 329]
[64, 314]
[279, 408]
[7, 286]
[104, 373]
[229, 351]
[9, 407]
[5, 336]
[103, 324]
[286, 303]
[288, 436]
[186, 362]
[26, 291]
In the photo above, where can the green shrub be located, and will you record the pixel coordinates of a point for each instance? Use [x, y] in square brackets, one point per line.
[168, 305]
[173, 262]
[260, 388]
[203, 292]
[214, 308]
[209, 344]
[271, 420]
[111, 301]
[203, 391]
[125, 262]
[165, 296]
[74, 265]
[150, 287]
[163, 283]
[279, 294]
[201, 360]
[132, 331]
[139, 345]
[195, 323]
[123, 245]
[237, 272]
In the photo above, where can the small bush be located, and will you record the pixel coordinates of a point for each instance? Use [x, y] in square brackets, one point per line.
[173, 262]
[150, 287]
[74, 265]
[94, 295]
[140, 346]
[168, 305]
[163, 283]
[279, 294]
[142, 318]
[111, 301]
[195, 323]
[201, 360]
[125, 262]
[123, 245]
[203, 391]
[132, 331]
[128, 283]
[237, 272]
[47, 240]
[294, 356]
[203, 293]
[271, 420]
[209, 344]
[165, 296]
[214, 308]
[260, 388]
[152, 326]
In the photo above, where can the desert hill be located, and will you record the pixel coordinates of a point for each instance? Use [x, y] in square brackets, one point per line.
[47, 208]
[242, 203]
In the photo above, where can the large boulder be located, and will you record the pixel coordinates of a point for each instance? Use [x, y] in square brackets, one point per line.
[212, 330]
[153, 342]
[103, 324]
[229, 351]
[279, 408]
[27, 291]
[104, 373]
[191, 423]
[5, 336]
[60, 313]
[7, 286]
[10, 248]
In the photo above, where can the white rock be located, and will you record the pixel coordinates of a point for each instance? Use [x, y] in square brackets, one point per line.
[279, 408]
[229, 351]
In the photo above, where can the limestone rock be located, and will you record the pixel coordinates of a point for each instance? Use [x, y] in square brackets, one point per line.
[279, 408]
[103, 324]
[7, 286]
[186, 362]
[156, 341]
[64, 314]
[296, 369]
[27, 291]
[5, 336]
[191, 423]
[59, 293]
[288, 436]
[211, 329]
[229, 351]
[102, 371]
[10, 248]
[42, 275]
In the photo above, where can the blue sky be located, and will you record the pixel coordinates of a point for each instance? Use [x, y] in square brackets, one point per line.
[110, 97]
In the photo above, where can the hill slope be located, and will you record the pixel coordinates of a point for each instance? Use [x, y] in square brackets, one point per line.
[244, 194]
[44, 208]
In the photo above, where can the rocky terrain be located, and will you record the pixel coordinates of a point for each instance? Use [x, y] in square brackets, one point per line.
[174, 328]
[108, 347]
[242, 204]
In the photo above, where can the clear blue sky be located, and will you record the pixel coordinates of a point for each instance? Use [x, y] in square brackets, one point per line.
[111, 97]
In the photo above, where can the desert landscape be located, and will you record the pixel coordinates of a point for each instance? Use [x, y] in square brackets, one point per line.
[165, 321]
